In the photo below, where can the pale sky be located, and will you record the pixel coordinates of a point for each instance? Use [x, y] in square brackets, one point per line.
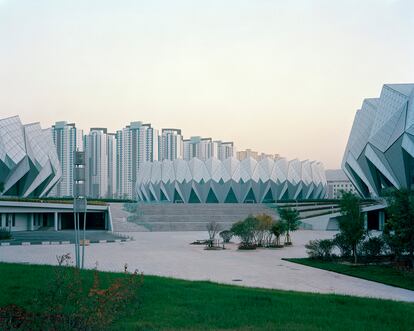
[275, 76]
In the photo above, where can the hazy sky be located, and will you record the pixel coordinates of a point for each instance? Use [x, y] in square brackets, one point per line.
[276, 76]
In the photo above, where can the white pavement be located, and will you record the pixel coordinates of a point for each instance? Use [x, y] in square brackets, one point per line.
[169, 254]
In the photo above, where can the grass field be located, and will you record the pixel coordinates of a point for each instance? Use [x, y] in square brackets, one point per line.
[170, 304]
[381, 274]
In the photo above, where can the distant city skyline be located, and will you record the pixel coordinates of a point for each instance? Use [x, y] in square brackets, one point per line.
[272, 76]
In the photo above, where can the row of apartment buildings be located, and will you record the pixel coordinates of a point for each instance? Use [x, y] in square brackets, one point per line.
[114, 159]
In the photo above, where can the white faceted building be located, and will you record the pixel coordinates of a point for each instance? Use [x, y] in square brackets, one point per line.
[380, 149]
[230, 181]
[29, 165]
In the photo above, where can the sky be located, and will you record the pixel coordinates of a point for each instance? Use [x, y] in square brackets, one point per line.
[275, 76]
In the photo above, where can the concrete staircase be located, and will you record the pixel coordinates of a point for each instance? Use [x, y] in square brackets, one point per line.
[182, 217]
[194, 217]
[120, 219]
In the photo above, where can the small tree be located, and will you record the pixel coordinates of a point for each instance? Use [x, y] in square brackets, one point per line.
[264, 225]
[226, 235]
[291, 218]
[278, 229]
[351, 223]
[399, 229]
[1, 187]
[245, 230]
[212, 228]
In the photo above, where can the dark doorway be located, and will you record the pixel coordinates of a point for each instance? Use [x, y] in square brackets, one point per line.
[373, 220]
[94, 221]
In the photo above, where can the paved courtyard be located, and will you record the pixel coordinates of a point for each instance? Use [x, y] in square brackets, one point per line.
[170, 254]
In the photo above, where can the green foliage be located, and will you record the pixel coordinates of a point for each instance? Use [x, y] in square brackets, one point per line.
[320, 249]
[278, 229]
[5, 234]
[399, 229]
[226, 236]
[351, 223]
[372, 247]
[342, 243]
[173, 304]
[1, 187]
[291, 218]
[245, 230]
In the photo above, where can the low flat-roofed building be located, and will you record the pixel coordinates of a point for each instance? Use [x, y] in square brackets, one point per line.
[23, 215]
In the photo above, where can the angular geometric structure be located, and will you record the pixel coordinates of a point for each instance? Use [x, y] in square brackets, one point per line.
[380, 149]
[29, 164]
[230, 181]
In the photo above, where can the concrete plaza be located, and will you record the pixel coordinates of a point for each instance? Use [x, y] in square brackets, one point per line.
[170, 254]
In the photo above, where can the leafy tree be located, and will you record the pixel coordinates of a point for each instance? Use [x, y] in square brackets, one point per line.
[1, 187]
[264, 225]
[399, 229]
[291, 217]
[351, 223]
[245, 230]
[278, 229]
[226, 235]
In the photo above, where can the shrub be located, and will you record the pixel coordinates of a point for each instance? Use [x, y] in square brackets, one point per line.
[5, 234]
[372, 247]
[245, 230]
[320, 249]
[344, 247]
[226, 235]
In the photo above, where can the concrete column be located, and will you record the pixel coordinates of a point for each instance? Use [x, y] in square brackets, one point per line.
[365, 220]
[381, 221]
[30, 220]
[55, 221]
[108, 220]
[60, 222]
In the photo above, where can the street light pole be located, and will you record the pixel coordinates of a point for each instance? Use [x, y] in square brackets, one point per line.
[79, 204]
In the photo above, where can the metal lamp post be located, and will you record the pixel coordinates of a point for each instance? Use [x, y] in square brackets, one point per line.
[79, 204]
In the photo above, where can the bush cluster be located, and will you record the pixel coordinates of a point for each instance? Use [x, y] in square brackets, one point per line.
[371, 247]
[5, 234]
[263, 231]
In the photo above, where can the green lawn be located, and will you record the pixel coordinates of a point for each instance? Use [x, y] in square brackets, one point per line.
[381, 274]
[170, 304]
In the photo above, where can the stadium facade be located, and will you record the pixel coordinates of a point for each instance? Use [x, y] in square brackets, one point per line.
[230, 181]
[380, 150]
[29, 165]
